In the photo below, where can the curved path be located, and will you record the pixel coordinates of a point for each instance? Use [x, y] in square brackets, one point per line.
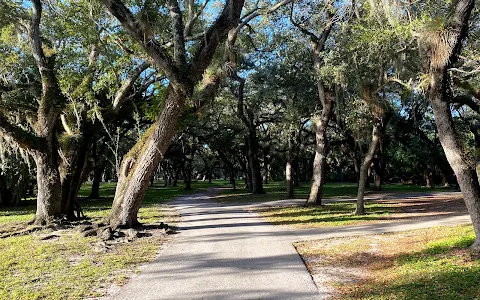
[223, 251]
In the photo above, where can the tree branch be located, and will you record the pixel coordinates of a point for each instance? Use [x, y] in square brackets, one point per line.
[122, 93]
[473, 103]
[227, 20]
[192, 18]
[179, 55]
[161, 59]
[24, 139]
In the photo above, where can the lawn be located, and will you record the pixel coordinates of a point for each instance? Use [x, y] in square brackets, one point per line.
[70, 266]
[430, 263]
[277, 191]
[338, 214]
[341, 213]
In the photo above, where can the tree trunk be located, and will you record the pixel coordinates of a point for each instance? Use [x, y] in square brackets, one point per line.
[296, 179]
[230, 168]
[265, 166]
[188, 175]
[289, 171]
[465, 173]
[97, 178]
[247, 175]
[254, 162]
[142, 162]
[49, 195]
[356, 165]
[439, 94]
[321, 152]
[72, 171]
[377, 166]
[340, 172]
[367, 162]
[428, 180]
[175, 177]
[6, 196]
[289, 179]
[232, 178]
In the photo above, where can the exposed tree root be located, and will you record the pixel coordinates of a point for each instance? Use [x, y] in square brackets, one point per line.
[129, 233]
[22, 232]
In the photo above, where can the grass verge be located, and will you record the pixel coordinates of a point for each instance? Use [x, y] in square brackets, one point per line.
[430, 263]
[63, 264]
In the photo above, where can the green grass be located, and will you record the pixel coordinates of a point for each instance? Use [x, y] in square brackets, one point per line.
[67, 268]
[277, 191]
[331, 214]
[423, 264]
[72, 266]
[99, 208]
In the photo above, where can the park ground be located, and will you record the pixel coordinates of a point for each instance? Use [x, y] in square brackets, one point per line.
[61, 263]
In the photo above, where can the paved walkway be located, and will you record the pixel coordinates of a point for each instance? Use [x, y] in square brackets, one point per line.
[226, 252]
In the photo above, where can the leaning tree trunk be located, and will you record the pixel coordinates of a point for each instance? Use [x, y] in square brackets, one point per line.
[443, 55]
[321, 152]
[367, 162]
[142, 162]
[466, 173]
[49, 194]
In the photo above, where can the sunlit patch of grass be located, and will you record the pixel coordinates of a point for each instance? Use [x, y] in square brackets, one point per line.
[66, 268]
[331, 214]
[430, 263]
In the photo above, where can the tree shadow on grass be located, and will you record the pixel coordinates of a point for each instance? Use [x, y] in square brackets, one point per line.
[443, 284]
[385, 210]
[444, 269]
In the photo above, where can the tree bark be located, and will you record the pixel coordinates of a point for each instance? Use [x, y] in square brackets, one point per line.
[97, 178]
[42, 143]
[327, 101]
[245, 114]
[254, 162]
[72, 171]
[188, 175]
[428, 179]
[289, 173]
[49, 194]
[466, 174]
[367, 162]
[265, 165]
[175, 177]
[141, 163]
[377, 167]
[321, 152]
[230, 168]
[439, 95]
